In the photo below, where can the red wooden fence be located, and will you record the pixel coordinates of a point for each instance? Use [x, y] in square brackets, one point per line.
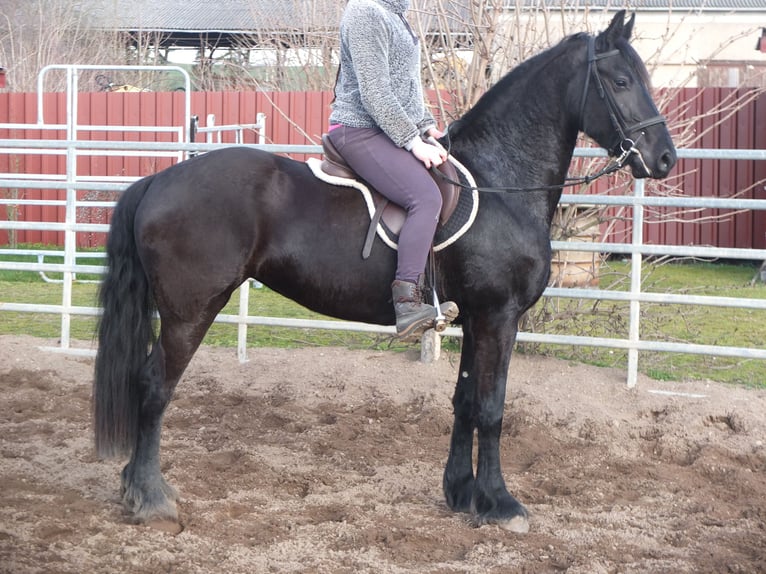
[711, 126]
[301, 118]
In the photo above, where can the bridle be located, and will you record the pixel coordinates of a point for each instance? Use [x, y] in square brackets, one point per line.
[624, 131]
[626, 145]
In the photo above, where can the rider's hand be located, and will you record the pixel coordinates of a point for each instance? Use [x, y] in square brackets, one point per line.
[430, 155]
[435, 133]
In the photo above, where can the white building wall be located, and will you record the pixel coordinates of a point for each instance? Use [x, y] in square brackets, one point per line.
[675, 46]
[672, 44]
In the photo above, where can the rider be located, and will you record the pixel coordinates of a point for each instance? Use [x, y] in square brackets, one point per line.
[377, 124]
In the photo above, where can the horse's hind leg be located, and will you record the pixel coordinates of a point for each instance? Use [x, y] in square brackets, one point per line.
[144, 491]
[146, 494]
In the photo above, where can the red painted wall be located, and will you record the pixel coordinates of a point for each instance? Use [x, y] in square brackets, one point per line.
[301, 118]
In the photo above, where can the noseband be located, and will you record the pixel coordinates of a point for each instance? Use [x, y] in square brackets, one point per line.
[626, 144]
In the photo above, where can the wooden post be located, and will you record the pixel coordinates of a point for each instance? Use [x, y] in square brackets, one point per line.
[430, 346]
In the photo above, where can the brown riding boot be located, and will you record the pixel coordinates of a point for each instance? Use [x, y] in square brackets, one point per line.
[413, 317]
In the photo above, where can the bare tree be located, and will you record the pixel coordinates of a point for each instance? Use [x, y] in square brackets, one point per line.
[293, 48]
[469, 44]
[37, 33]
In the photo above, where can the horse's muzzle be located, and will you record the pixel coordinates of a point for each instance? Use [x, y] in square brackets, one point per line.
[643, 166]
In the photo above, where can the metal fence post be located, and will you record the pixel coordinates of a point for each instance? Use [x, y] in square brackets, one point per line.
[636, 258]
[70, 219]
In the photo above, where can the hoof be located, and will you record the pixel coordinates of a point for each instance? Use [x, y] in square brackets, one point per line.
[149, 504]
[458, 490]
[505, 512]
[517, 524]
[148, 513]
[167, 526]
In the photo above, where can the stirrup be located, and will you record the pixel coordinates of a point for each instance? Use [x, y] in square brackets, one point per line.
[448, 311]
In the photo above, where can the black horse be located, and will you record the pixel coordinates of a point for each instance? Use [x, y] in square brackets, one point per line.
[183, 240]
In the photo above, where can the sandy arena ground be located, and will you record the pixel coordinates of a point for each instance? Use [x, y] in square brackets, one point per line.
[330, 461]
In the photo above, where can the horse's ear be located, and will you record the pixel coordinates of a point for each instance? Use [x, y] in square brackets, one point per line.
[627, 31]
[616, 29]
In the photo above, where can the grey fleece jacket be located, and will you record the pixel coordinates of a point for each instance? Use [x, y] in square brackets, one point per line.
[379, 81]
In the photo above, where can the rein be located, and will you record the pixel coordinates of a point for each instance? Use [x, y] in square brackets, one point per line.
[627, 146]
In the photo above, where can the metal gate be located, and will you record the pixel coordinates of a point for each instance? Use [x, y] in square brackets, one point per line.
[73, 263]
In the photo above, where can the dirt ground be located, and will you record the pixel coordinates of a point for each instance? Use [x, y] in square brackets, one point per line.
[330, 461]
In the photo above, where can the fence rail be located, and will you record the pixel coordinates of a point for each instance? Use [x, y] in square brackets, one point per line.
[299, 118]
[636, 248]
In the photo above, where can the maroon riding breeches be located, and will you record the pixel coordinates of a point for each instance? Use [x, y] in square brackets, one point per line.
[402, 179]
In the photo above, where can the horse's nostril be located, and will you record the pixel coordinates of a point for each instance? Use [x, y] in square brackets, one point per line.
[668, 160]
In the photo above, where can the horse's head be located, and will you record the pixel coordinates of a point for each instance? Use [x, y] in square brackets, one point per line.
[616, 106]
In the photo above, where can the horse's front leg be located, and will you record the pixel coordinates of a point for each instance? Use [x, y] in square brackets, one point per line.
[479, 402]
[458, 473]
[491, 502]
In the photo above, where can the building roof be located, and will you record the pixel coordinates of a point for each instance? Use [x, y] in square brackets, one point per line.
[249, 15]
[222, 22]
[241, 16]
[678, 6]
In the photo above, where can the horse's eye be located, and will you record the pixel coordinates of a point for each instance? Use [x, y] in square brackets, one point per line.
[621, 82]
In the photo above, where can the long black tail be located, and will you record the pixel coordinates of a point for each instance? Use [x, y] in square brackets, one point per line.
[124, 333]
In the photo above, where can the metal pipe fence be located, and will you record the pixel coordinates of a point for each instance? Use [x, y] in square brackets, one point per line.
[636, 248]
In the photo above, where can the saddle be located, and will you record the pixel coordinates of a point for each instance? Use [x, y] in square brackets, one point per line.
[391, 214]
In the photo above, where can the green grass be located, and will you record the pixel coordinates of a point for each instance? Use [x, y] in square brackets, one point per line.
[665, 322]
[29, 287]
[677, 323]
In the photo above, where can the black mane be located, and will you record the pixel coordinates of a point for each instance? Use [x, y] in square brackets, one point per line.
[508, 86]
